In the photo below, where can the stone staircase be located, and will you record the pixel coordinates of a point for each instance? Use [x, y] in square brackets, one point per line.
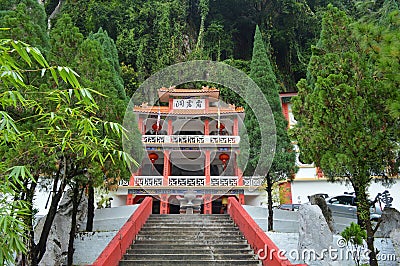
[189, 240]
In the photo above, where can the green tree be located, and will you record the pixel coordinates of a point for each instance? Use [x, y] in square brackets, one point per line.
[341, 109]
[355, 237]
[111, 56]
[54, 137]
[65, 40]
[96, 60]
[27, 22]
[283, 165]
[152, 36]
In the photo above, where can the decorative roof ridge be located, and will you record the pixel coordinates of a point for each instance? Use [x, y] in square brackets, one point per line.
[183, 90]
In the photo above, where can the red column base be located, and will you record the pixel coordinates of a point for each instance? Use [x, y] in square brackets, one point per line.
[164, 204]
[207, 209]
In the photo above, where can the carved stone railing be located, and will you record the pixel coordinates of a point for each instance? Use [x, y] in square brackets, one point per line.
[123, 183]
[187, 181]
[253, 181]
[220, 181]
[148, 181]
[224, 181]
[189, 139]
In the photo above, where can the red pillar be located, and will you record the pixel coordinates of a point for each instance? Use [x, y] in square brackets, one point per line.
[207, 209]
[130, 197]
[240, 183]
[241, 199]
[206, 127]
[166, 168]
[164, 204]
[235, 127]
[207, 171]
[170, 104]
[140, 125]
[170, 129]
[240, 176]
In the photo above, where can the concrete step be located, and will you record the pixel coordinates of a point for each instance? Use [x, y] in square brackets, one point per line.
[194, 238]
[194, 250]
[190, 242]
[199, 216]
[183, 223]
[185, 231]
[178, 246]
[190, 219]
[194, 226]
[189, 263]
[188, 257]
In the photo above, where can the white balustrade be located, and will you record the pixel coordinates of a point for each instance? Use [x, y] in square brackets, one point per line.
[148, 181]
[190, 139]
[123, 183]
[218, 181]
[253, 181]
[224, 181]
[187, 181]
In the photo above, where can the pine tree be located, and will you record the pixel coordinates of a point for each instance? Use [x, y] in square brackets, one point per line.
[65, 40]
[283, 164]
[341, 109]
[26, 20]
[96, 61]
[111, 56]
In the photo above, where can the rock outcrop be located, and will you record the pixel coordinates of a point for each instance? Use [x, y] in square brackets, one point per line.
[395, 237]
[57, 242]
[314, 235]
[390, 221]
[326, 212]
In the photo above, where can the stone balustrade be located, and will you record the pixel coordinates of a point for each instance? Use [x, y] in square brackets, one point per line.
[224, 181]
[218, 181]
[189, 139]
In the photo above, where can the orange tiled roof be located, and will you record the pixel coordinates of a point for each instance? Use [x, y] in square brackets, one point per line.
[165, 110]
[165, 93]
[202, 90]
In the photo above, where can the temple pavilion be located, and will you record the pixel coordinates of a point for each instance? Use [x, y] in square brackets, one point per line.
[192, 144]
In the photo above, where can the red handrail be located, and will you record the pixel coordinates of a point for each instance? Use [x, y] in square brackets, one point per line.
[117, 247]
[268, 252]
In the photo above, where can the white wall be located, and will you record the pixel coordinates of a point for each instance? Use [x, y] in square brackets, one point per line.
[257, 198]
[302, 189]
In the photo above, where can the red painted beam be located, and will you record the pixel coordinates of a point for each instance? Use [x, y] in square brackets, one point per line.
[117, 247]
[261, 244]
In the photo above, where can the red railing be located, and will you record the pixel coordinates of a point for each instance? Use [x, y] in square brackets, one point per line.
[263, 246]
[115, 250]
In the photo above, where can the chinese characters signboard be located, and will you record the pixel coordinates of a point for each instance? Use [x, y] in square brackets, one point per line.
[189, 103]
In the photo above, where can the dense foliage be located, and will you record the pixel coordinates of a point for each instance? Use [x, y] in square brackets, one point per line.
[344, 124]
[283, 164]
[54, 127]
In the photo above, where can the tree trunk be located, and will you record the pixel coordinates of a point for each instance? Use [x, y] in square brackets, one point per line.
[39, 249]
[363, 216]
[27, 194]
[76, 199]
[270, 210]
[90, 214]
[30, 216]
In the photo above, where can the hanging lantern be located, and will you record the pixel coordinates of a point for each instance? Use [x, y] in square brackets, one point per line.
[156, 127]
[153, 157]
[224, 158]
[221, 126]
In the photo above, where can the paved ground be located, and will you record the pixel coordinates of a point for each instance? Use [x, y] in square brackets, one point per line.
[107, 223]
[285, 236]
